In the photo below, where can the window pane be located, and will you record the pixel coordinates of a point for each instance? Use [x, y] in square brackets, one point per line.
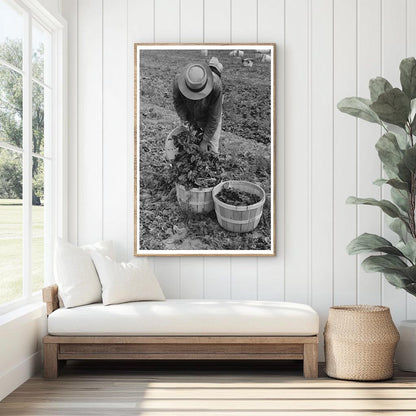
[11, 226]
[38, 229]
[38, 118]
[41, 46]
[11, 107]
[11, 34]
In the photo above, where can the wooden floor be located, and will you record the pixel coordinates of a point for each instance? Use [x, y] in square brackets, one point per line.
[226, 389]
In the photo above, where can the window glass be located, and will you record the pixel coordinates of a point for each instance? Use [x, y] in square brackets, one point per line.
[41, 45]
[38, 227]
[11, 34]
[11, 226]
[38, 118]
[11, 106]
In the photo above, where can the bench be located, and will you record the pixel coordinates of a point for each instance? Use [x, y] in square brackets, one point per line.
[182, 329]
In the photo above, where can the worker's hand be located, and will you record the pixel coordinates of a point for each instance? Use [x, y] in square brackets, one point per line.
[204, 147]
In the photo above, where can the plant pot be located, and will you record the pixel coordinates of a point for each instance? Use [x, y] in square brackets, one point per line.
[239, 219]
[406, 349]
[198, 200]
[360, 341]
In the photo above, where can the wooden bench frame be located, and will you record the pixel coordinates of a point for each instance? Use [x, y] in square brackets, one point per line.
[58, 349]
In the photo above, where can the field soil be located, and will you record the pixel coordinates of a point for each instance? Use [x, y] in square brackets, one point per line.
[244, 148]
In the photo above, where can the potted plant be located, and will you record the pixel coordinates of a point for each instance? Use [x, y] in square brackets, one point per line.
[394, 109]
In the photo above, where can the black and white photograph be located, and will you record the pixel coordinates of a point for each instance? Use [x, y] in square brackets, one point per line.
[204, 149]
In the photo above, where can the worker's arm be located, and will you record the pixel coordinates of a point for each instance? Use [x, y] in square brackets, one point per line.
[214, 113]
[179, 103]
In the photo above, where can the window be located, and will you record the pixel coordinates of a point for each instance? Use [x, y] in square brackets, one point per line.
[31, 139]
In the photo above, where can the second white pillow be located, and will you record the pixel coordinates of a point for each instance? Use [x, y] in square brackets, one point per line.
[126, 282]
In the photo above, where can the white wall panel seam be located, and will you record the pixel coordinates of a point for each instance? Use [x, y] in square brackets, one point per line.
[332, 172]
[77, 130]
[128, 196]
[357, 148]
[283, 138]
[309, 212]
[381, 73]
[102, 119]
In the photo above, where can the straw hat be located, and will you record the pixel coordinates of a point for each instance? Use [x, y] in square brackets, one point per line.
[195, 81]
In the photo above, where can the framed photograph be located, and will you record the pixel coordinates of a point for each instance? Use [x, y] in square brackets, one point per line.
[204, 162]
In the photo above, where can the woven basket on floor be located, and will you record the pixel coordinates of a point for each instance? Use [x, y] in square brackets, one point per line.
[360, 341]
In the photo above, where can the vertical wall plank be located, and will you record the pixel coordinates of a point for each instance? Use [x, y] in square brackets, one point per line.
[167, 16]
[217, 25]
[244, 29]
[244, 21]
[321, 148]
[115, 60]
[217, 278]
[369, 168]
[192, 31]
[217, 21]
[192, 21]
[90, 184]
[167, 29]
[70, 12]
[271, 28]
[393, 51]
[192, 278]
[411, 51]
[345, 151]
[140, 30]
[296, 152]
[244, 278]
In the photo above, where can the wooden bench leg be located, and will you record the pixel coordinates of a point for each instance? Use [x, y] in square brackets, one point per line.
[310, 360]
[50, 360]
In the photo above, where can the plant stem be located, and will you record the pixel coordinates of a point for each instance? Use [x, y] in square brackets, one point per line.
[412, 196]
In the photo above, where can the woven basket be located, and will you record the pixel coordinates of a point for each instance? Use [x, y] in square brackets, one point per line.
[360, 342]
[239, 219]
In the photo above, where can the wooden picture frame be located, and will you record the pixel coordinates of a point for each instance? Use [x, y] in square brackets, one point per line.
[167, 213]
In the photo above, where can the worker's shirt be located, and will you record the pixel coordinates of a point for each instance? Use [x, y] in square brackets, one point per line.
[206, 113]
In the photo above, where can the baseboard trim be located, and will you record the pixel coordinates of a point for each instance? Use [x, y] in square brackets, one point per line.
[11, 379]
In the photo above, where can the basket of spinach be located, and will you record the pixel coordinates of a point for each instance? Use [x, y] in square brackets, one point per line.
[192, 168]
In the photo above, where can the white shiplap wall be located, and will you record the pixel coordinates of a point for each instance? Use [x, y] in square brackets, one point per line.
[326, 50]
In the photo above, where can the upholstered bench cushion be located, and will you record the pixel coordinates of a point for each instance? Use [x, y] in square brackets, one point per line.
[186, 317]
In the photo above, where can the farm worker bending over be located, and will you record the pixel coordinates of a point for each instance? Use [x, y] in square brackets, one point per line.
[197, 96]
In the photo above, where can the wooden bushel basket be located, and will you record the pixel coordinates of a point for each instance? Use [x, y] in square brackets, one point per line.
[239, 219]
[197, 200]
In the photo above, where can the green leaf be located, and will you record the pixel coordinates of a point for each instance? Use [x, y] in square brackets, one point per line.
[404, 173]
[400, 228]
[400, 198]
[398, 184]
[381, 263]
[378, 86]
[392, 107]
[408, 249]
[359, 107]
[380, 182]
[389, 151]
[401, 139]
[397, 280]
[410, 158]
[408, 77]
[366, 243]
[388, 208]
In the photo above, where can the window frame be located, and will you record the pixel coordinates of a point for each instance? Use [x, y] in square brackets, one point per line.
[58, 215]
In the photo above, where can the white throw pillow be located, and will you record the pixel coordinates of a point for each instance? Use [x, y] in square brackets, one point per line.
[75, 273]
[126, 282]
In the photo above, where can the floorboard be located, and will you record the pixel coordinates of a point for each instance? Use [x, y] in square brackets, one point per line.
[206, 388]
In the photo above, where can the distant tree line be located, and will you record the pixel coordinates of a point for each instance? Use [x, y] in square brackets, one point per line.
[11, 126]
